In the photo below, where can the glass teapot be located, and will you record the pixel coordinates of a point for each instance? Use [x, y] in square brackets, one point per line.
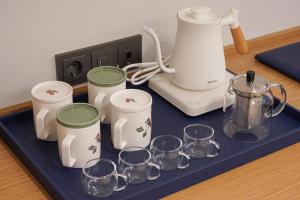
[248, 106]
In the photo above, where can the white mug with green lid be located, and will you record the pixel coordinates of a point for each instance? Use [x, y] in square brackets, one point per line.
[102, 83]
[78, 131]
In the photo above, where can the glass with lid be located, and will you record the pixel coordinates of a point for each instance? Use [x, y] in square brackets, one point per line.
[248, 106]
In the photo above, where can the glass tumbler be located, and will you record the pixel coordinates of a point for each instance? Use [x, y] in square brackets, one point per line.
[100, 178]
[198, 141]
[136, 164]
[167, 152]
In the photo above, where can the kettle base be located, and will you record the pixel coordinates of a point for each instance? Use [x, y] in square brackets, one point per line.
[252, 135]
[192, 103]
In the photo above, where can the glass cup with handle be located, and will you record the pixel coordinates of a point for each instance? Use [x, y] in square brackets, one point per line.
[198, 141]
[136, 164]
[167, 152]
[100, 178]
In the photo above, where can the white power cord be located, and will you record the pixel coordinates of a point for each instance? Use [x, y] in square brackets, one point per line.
[142, 72]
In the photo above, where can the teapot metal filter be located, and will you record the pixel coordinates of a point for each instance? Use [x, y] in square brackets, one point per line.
[247, 118]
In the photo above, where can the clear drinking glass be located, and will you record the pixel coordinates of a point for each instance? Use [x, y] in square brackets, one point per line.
[135, 163]
[100, 178]
[167, 152]
[198, 141]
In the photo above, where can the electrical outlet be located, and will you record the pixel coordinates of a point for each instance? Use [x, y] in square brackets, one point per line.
[72, 67]
[130, 50]
[105, 57]
[119, 52]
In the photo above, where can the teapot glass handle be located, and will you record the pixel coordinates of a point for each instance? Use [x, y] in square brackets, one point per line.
[282, 103]
[230, 90]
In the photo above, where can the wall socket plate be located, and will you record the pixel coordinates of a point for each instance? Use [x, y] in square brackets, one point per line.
[72, 67]
[106, 56]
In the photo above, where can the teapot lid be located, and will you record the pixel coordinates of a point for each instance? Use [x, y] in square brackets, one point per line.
[249, 84]
[199, 15]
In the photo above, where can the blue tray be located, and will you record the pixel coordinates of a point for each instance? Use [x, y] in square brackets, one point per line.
[42, 158]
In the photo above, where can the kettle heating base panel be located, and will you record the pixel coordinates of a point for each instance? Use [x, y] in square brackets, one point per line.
[192, 103]
[42, 157]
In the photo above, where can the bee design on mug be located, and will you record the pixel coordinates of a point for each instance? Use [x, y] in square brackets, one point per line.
[144, 131]
[148, 123]
[98, 138]
[140, 129]
[129, 99]
[51, 92]
[93, 148]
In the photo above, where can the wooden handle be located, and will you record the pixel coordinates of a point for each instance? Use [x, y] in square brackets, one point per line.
[239, 40]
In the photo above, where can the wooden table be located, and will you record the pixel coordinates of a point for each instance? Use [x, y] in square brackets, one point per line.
[276, 176]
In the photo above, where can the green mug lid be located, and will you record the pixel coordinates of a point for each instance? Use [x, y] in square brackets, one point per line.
[78, 115]
[106, 76]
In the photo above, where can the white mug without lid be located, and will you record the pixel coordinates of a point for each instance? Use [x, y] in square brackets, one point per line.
[131, 118]
[102, 82]
[78, 131]
[47, 98]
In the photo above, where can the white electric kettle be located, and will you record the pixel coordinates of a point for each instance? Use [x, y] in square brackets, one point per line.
[197, 61]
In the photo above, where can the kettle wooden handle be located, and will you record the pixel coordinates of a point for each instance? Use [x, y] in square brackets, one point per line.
[239, 40]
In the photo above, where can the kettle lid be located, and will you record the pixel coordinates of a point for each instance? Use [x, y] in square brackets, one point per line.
[249, 84]
[199, 15]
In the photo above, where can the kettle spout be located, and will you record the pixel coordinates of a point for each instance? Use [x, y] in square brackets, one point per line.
[149, 31]
[231, 18]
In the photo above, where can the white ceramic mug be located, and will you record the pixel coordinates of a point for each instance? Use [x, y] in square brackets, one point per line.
[47, 98]
[131, 118]
[78, 131]
[102, 82]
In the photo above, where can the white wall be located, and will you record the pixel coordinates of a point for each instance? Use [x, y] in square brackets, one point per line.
[33, 31]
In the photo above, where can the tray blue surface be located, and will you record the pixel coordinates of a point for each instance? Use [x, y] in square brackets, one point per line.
[42, 158]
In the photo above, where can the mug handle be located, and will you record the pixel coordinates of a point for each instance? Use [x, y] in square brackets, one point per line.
[66, 151]
[119, 143]
[217, 147]
[119, 188]
[157, 168]
[185, 156]
[40, 124]
[98, 102]
[282, 103]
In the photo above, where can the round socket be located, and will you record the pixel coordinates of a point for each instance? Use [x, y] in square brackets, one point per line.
[75, 69]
